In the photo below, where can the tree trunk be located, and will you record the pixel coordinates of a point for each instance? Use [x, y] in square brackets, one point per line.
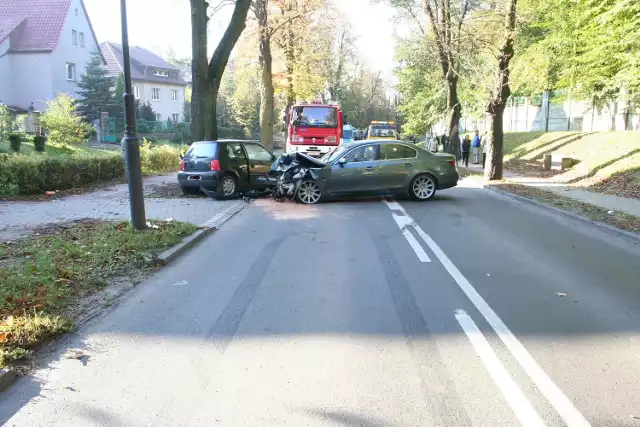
[499, 96]
[206, 77]
[266, 93]
[454, 112]
[199, 69]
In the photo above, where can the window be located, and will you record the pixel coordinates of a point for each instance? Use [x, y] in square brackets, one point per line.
[203, 150]
[255, 152]
[175, 117]
[161, 73]
[81, 39]
[136, 91]
[365, 153]
[158, 118]
[74, 37]
[313, 116]
[71, 71]
[174, 95]
[155, 93]
[396, 151]
[234, 151]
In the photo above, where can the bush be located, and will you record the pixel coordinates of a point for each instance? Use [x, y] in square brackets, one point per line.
[158, 159]
[15, 141]
[63, 122]
[39, 143]
[35, 175]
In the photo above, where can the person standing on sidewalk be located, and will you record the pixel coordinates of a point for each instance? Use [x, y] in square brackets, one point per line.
[464, 149]
[476, 148]
[485, 146]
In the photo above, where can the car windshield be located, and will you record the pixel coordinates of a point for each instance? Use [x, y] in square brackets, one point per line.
[347, 134]
[314, 117]
[202, 151]
[335, 154]
[382, 131]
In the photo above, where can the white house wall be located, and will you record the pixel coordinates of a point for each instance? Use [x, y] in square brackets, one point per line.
[65, 51]
[165, 106]
[6, 93]
[31, 80]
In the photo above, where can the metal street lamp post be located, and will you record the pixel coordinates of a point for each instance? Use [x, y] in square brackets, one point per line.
[130, 146]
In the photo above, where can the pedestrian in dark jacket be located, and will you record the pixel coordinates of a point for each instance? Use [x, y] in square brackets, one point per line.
[465, 146]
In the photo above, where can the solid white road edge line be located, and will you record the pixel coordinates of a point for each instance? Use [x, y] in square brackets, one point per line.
[514, 396]
[565, 408]
[413, 242]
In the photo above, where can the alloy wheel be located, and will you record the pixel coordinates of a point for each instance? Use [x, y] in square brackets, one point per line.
[423, 187]
[228, 186]
[309, 193]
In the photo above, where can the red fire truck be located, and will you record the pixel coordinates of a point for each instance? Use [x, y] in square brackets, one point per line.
[314, 128]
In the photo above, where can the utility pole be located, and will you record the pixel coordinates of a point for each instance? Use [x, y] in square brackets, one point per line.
[130, 146]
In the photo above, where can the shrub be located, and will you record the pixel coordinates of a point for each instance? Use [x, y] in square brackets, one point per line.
[63, 122]
[39, 143]
[15, 141]
[35, 175]
[158, 159]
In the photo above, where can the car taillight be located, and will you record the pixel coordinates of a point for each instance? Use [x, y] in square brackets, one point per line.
[330, 139]
[182, 165]
[452, 162]
[215, 165]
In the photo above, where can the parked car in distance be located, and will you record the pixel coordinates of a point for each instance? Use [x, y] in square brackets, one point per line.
[380, 167]
[225, 166]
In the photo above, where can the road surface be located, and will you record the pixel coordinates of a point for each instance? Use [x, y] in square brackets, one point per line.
[469, 310]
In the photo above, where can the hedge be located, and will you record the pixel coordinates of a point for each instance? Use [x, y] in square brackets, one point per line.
[21, 174]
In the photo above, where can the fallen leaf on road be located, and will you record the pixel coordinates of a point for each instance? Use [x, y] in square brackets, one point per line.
[562, 294]
[488, 275]
[74, 354]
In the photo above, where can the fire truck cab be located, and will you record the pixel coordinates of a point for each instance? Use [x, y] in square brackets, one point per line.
[314, 128]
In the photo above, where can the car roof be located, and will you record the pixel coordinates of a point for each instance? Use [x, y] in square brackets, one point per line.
[227, 140]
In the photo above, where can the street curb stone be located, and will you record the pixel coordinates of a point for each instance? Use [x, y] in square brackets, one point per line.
[190, 241]
[7, 377]
[603, 226]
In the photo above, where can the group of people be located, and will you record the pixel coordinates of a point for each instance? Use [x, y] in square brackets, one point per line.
[478, 147]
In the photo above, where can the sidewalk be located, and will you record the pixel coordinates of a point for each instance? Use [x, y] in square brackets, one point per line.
[18, 218]
[573, 191]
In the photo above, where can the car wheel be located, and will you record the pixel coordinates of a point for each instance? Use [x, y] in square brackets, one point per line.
[227, 187]
[187, 191]
[422, 187]
[308, 193]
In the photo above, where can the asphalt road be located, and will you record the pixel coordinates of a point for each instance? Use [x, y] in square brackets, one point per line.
[469, 310]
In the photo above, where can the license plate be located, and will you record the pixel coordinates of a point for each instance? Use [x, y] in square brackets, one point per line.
[193, 178]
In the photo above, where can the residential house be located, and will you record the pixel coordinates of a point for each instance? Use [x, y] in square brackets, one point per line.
[154, 80]
[44, 47]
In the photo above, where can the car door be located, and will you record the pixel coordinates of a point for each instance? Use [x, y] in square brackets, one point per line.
[396, 164]
[260, 161]
[357, 173]
[235, 161]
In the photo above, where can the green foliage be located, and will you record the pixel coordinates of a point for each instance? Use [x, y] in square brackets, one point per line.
[15, 142]
[182, 133]
[158, 159]
[39, 143]
[65, 125]
[35, 175]
[6, 122]
[145, 112]
[96, 89]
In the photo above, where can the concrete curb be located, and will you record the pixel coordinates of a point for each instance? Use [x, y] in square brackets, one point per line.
[207, 229]
[7, 377]
[604, 227]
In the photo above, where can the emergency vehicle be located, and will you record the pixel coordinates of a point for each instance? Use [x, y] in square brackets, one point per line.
[382, 130]
[314, 128]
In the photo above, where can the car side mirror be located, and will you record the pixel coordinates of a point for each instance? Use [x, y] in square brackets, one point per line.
[342, 161]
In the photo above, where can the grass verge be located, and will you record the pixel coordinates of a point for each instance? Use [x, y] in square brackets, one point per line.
[43, 276]
[619, 220]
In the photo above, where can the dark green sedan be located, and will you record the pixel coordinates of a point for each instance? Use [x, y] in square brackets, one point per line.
[379, 167]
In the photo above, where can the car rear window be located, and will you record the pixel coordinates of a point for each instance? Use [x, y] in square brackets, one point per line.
[207, 150]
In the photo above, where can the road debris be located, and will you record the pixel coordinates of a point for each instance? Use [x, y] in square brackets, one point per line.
[74, 353]
[561, 294]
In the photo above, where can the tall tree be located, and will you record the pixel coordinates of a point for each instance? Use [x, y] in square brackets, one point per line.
[500, 94]
[267, 102]
[445, 32]
[96, 89]
[207, 74]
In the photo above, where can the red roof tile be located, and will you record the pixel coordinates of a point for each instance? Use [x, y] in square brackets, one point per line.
[45, 20]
